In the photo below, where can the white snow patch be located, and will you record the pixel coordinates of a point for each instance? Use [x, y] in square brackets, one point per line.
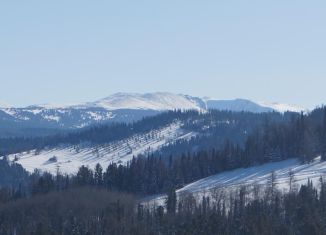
[99, 117]
[34, 111]
[9, 111]
[52, 118]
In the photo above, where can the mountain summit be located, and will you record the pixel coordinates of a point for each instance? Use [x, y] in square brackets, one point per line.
[161, 101]
[122, 107]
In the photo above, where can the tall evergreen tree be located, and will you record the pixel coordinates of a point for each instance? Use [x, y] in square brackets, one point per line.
[98, 175]
[171, 201]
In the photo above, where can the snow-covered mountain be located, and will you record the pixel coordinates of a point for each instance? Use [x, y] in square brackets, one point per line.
[159, 101]
[120, 107]
[237, 105]
[280, 107]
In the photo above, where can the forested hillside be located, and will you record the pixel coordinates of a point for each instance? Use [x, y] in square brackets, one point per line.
[224, 141]
[95, 211]
[217, 125]
[259, 138]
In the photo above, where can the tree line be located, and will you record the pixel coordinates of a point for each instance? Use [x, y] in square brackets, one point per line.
[91, 210]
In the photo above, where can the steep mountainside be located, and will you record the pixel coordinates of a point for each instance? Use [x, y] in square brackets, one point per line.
[69, 158]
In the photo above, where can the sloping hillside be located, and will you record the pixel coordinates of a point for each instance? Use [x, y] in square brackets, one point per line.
[257, 175]
[68, 159]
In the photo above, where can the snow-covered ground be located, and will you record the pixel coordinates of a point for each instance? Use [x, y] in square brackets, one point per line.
[257, 175]
[69, 159]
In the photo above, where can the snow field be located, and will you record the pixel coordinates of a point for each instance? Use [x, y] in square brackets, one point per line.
[69, 159]
[250, 177]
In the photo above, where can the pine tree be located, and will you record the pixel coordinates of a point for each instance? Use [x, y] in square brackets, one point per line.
[98, 175]
[291, 179]
[84, 176]
[171, 201]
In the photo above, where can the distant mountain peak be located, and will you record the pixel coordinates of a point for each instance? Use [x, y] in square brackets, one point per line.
[281, 107]
[159, 101]
[240, 104]
[237, 105]
[123, 107]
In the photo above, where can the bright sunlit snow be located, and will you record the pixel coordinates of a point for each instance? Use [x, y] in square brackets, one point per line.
[69, 159]
[280, 107]
[260, 175]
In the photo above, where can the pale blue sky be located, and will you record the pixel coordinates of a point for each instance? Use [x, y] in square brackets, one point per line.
[75, 50]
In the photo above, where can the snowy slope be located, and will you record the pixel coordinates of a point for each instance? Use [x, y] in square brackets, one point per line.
[237, 105]
[69, 159]
[168, 101]
[260, 175]
[281, 107]
[153, 101]
[161, 101]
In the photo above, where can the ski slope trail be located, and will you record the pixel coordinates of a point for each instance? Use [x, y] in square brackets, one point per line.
[68, 159]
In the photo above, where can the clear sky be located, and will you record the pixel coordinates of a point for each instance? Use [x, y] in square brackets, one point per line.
[76, 50]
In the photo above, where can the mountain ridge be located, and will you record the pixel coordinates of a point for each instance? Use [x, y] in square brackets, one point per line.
[122, 107]
[161, 101]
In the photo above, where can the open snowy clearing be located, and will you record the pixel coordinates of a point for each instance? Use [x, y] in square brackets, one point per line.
[257, 175]
[69, 159]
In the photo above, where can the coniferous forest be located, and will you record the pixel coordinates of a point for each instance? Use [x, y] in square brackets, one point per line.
[68, 206]
[109, 201]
